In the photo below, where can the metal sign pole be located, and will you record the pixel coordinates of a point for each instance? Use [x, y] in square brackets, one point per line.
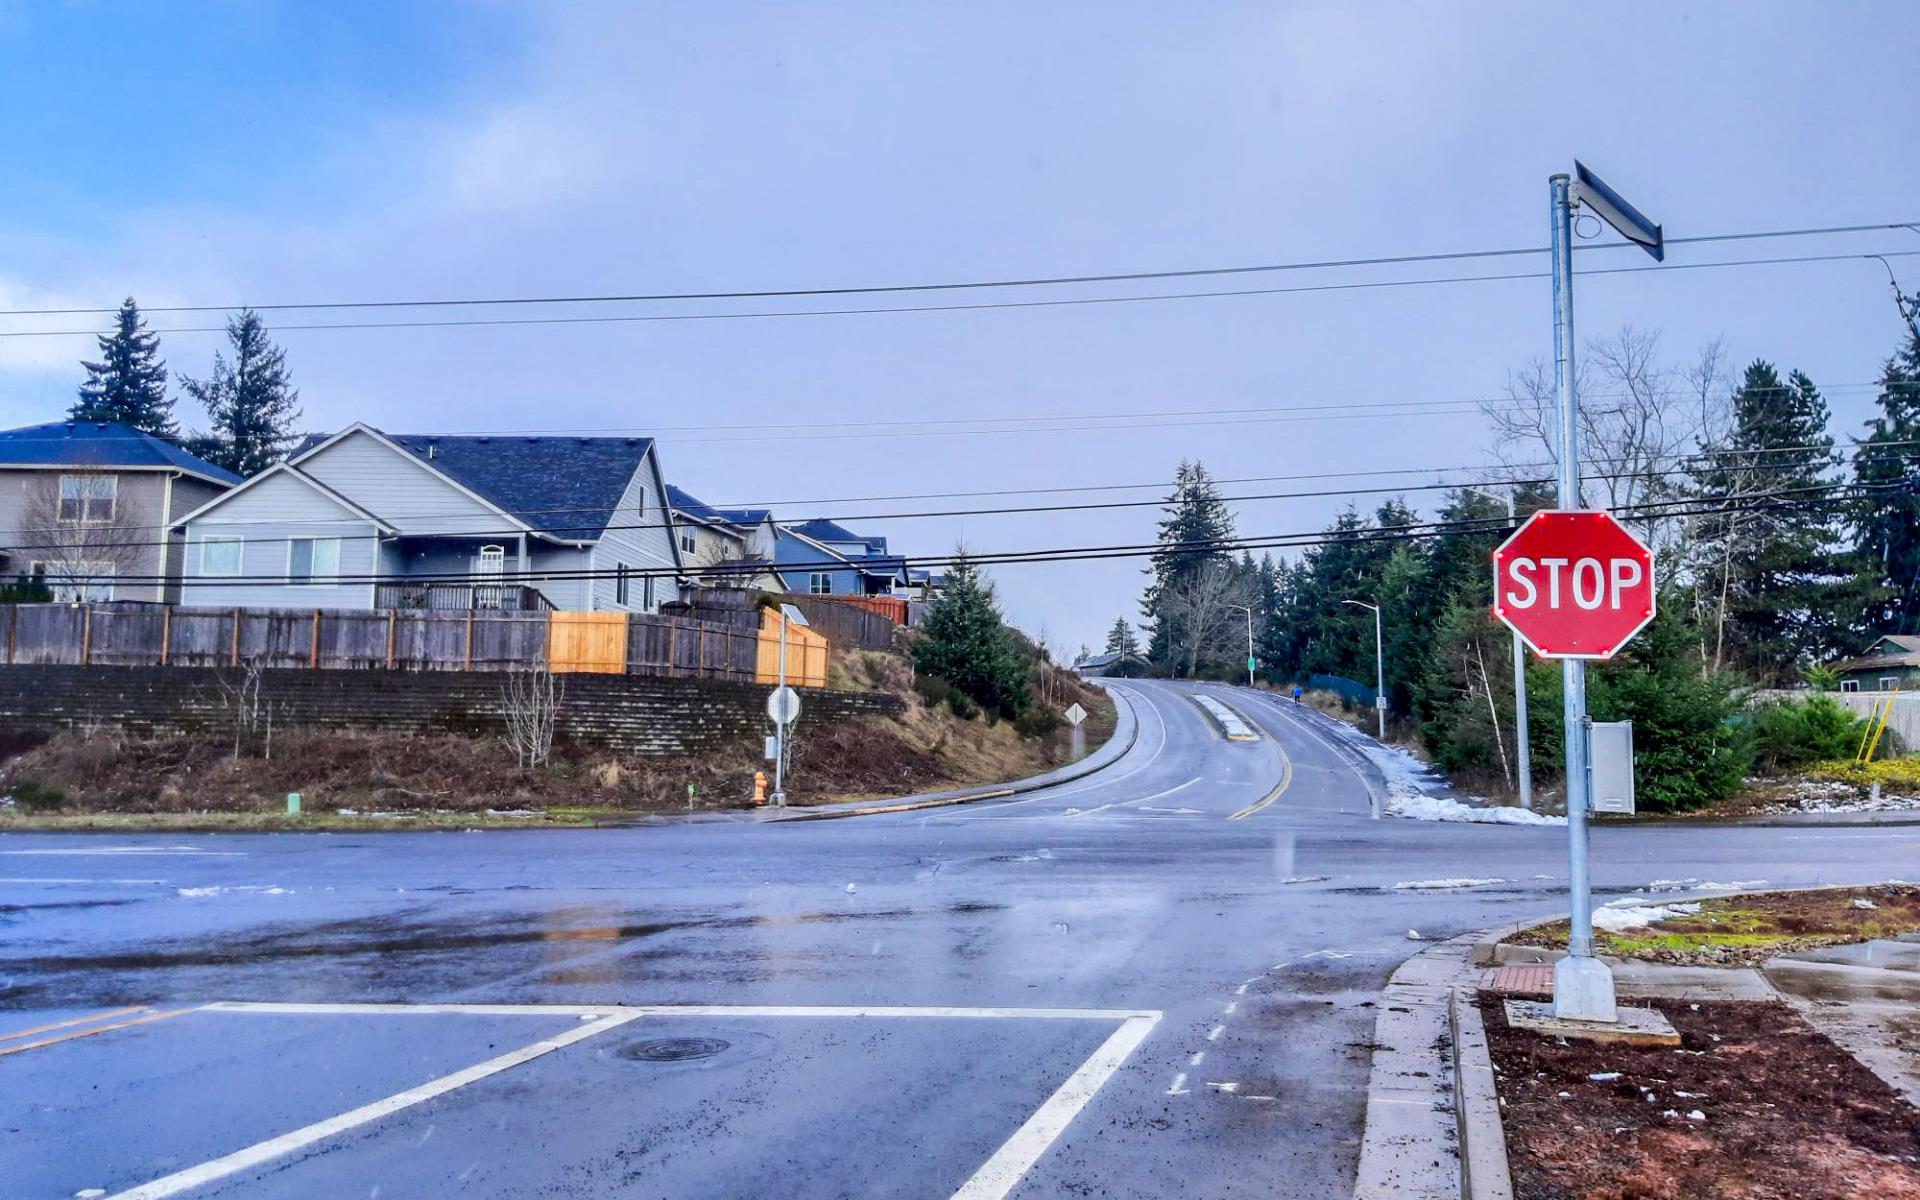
[1521, 737]
[780, 726]
[1582, 984]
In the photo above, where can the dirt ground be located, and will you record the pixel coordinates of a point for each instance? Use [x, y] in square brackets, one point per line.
[926, 748]
[1783, 1113]
[1748, 930]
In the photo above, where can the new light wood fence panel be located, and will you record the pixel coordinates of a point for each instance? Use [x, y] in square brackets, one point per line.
[587, 641]
[806, 654]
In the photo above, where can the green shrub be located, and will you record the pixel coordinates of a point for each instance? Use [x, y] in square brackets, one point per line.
[1790, 733]
[1036, 722]
[36, 795]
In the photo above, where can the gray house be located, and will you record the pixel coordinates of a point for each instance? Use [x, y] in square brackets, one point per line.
[85, 508]
[373, 520]
[1891, 663]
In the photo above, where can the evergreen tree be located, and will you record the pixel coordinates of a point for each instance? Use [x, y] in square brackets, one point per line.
[1886, 522]
[251, 403]
[129, 382]
[1121, 638]
[1771, 585]
[1193, 534]
[965, 642]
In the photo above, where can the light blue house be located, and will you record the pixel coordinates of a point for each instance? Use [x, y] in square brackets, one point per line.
[824, 558]
[371, 520]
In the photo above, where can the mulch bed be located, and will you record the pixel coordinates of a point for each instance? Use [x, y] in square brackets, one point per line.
[1784, 1114]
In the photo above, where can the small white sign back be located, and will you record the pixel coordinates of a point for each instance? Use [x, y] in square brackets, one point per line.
[1076, 714]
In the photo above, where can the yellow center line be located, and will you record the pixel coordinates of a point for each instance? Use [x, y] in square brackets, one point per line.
[91, 1030]
[1286, 779]
[99, 1016]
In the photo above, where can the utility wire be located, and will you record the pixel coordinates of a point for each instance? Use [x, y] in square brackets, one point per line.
[644, 318]
[1032, 281]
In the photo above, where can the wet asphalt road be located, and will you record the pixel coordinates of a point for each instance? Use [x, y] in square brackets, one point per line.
[1036, 938]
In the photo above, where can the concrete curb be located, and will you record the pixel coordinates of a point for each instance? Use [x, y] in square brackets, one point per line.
[1126, 731]
[1484, 1172]
[1411, 1147]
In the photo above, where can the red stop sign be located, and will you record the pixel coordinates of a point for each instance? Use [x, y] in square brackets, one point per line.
[1573, 584]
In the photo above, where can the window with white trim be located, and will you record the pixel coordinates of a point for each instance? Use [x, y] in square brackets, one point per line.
[88, 499]
[1889, 683]
[220, 554]
[313, 560]
[689, 542]
[622, 583]
[75, 582]
[1849, 685]
[646, 593]
[820, 583]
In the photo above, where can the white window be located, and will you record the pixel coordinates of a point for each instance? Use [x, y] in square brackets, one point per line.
[1849, 685]
[313, 560]
[220, 555]
[622, 583]
[820, 583]
[76, 582]
[689, 542]
[1889, 683]
[88, 499]
[646, 589]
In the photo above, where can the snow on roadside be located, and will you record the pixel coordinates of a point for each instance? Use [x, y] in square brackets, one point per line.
[1833, 796]
[1438, 808]
[1626, 914]
[1435, 885]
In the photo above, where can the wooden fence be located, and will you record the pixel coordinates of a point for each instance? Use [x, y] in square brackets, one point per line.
[157, 635]
[844, 622]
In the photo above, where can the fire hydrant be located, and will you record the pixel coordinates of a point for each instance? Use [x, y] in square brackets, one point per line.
[759, 787]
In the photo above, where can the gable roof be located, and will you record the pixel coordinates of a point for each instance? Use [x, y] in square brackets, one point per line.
[564, 487]
[688, 505]
[102, 444]
[820, 529]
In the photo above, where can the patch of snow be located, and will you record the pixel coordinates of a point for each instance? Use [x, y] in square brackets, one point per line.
[1306, 879]
[1413, 935]
[1604, 1076]
[196, 893]
[1696, 1115]
[1833, 796]
[1625, 914]
[1698, 885]
[1420, 807]
[1863, 902]
[1426, 885]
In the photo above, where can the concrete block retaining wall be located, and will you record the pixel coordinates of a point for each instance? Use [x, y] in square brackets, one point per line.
[630, 713]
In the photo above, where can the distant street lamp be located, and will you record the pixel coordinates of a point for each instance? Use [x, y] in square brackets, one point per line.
[1520, 742]
[1379, 667]
[1247, 609]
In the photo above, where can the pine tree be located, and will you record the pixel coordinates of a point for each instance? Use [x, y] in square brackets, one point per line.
[965, 642]
[1886, 522]
[251, 403]
[1193, 534]
[1122, 640]
[129, 383]
[1772, 589]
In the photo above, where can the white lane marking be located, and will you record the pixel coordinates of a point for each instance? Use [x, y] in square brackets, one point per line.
[695, 1010]
[1178, 787]
[1198, 1057]
[286, 1143]
[1233, 1006]
[1226, 1086]
[1281, 966]
[1242, 989]
[1213, 1035]
[120, 851]
[1009, 1164]
[1179, 1087]
[126, 882]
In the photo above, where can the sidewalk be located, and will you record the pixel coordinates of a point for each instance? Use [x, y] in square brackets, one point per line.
[1126, 729]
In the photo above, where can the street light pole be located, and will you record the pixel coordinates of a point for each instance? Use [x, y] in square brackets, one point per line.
[1379, 667]
[1247, 609]
[1521, 741]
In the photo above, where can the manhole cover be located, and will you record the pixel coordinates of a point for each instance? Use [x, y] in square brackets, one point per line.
[672, 1049]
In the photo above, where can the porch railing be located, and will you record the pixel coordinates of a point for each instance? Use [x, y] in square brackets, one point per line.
[461, 597]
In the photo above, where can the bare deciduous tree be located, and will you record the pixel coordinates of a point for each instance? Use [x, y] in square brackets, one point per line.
[530, 702]
[77, 533]
[1198, 608]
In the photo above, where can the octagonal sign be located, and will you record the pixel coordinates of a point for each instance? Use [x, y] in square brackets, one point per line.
[1574, 584]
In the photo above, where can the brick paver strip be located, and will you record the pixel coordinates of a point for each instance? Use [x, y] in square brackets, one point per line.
[1523, 981]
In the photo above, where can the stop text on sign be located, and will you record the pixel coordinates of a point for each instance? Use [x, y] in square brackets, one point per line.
[1573, 584]
[1593, 582]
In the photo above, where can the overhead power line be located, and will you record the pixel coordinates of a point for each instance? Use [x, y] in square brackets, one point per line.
[1684, 507]
[965, 285]
[644, 318]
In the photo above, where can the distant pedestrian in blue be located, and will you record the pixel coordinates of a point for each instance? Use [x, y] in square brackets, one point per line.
[1296, 693]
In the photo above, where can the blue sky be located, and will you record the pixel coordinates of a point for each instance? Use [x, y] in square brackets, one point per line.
[267, 152]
